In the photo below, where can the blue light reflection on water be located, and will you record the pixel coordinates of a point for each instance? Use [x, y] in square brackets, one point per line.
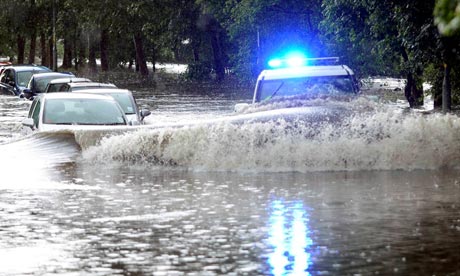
[290, 239]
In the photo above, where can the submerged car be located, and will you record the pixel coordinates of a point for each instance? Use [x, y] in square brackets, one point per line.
[38, 83]
[317, 77]
[127, 102]
[15, 78]
[57, 111]
[61, 85]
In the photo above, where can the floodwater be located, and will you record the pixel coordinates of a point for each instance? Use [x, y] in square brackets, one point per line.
[378, 193]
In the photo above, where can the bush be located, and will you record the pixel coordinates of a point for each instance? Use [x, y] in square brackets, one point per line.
[198, 71]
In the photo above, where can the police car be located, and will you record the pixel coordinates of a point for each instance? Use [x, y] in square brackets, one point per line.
[298, 76]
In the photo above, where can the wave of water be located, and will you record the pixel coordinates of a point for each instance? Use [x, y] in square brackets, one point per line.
[370, 138]
[352, 135]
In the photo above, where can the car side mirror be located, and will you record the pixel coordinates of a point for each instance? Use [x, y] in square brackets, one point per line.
[27, 93]
[28, 122]
[144, 113]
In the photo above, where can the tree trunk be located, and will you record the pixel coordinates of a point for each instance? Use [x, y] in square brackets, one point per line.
[140, 54]
[218, 57]
[446, 89]
[104, 46]
[21, 44]
[413, 90]
[92, 55]
[33, 46]
[437, 88]
[67, 59]
[43, 51]
[50, 52]
[81, 52]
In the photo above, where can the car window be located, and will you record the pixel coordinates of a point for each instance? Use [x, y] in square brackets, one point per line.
[36, 114]
[40, 84]
[4, 76]
[328, 85]
[24, 78]
[31, 109]
[125, 101]
[82, 112]
[64, 88]
[10, 75]
[53, 87]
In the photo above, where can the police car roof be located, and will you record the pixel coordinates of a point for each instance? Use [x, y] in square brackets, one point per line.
[306, 71]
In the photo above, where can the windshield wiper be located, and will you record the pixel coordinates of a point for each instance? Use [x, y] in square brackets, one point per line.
[275, 92]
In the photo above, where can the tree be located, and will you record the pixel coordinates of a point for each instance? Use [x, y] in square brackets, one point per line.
[447, 19]
[396, 30]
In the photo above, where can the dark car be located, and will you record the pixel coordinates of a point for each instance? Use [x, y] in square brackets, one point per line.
[38, 83]
[15, 78]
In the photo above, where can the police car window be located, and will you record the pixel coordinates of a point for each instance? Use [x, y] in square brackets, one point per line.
[308, 85]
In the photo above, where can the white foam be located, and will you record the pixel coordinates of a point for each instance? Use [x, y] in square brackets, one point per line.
[373, 137]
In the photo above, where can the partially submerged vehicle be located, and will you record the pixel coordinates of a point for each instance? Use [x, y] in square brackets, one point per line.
[309, 78]
[38, 83]
[15, 78]
[59, 111]
[61, 85]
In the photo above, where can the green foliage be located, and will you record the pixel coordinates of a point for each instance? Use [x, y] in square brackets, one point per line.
[447, 16]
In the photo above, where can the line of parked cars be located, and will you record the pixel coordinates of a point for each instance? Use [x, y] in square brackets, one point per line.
[60, 99]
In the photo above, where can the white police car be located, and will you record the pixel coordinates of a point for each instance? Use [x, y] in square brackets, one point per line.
[309, 77]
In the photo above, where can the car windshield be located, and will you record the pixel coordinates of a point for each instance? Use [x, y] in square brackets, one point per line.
[24, 77]
[308, 85]
[82, 112]
[124, 100]
[41, 83]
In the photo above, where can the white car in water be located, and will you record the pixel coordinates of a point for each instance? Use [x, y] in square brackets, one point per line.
[58, 111]
[310, 78]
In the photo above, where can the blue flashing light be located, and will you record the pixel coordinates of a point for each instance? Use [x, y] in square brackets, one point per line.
[275, 63]
[292, 59]
[296, 61]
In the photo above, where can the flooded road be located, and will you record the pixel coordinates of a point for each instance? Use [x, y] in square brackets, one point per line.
[277, 198]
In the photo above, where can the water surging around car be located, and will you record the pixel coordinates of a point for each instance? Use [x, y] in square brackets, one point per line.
[378, 139]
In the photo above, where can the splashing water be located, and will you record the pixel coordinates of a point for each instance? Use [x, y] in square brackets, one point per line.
[371, 138]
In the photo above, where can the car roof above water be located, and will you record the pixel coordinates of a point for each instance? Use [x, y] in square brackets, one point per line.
[105, 91]
[91, 84]
[70, 79]
[306, 71]
[74, 95]
[28, 67]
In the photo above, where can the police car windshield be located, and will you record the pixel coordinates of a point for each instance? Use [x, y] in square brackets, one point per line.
[324, 85]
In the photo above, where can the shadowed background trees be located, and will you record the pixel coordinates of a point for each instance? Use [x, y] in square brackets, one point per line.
[416, 40]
